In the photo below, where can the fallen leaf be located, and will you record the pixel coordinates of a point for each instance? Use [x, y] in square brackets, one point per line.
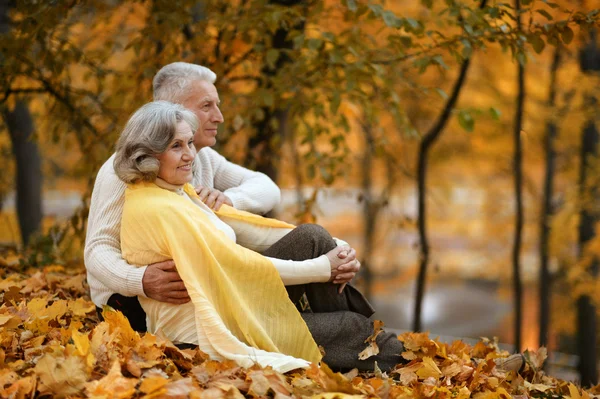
[153, 384]
[537, 358]
[372, 349]
[113, 385]
[117, 321]
[80, 307]
[61, 376]
[429, 369]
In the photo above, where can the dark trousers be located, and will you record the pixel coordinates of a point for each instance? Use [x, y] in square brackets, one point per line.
[130, 307]
[338, 322]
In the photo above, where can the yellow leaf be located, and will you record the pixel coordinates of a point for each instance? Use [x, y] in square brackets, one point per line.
[574, 392]
[536, 387]
[22, 388]
[82, 342]
[429, 369]
[9, 321]
[152, 384]
[113, 385]
[408, 378]
[372, 349]
[62, 376]
[54, 269]
[116, 320]
[81, 307]
[34, 283]
[36, 306]
[452, 370]
[56, 310]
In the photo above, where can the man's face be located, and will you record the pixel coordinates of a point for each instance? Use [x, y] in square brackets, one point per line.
[203, 100]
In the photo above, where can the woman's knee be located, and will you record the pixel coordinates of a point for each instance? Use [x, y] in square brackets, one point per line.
[314, 230]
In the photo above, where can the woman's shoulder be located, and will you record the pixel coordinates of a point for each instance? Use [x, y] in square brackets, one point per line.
[148, 198]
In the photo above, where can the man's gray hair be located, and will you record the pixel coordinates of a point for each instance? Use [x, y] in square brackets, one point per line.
[147, 134]
[173, 81]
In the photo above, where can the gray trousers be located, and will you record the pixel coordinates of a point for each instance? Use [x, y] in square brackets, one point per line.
[338, 322]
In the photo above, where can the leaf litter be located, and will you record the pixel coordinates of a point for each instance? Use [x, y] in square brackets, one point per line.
[52, 344]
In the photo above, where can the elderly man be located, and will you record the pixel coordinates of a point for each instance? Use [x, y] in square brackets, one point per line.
[338, 322]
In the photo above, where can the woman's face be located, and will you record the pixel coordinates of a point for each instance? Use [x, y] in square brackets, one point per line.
[176, 162]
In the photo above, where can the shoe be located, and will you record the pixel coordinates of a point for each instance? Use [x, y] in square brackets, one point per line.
[514, 363]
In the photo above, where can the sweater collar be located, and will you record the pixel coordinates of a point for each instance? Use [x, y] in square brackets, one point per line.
[168, 186]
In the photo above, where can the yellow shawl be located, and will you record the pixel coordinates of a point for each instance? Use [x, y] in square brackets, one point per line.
[243, 287]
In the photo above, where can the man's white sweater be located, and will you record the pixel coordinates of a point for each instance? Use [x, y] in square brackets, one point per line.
[107, 272]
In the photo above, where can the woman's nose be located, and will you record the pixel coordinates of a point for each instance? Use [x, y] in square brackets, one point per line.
[190, 153]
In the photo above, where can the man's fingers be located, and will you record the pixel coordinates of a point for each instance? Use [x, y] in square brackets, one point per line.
[174, 286]
[219, 202]
[166, 265]
[178, 294]
[212, 199]
[177, 301]
[203, 193]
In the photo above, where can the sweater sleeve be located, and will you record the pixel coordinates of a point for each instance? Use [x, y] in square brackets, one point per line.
[248, 190]
[293, 272]
[107, 271]
[260, 238]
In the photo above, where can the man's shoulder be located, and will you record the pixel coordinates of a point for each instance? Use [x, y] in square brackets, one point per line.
[107, 167]
[208, 155]
[107, 182]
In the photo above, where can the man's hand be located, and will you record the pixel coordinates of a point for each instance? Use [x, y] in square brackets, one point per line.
[161, 282]
[344, 265]
[212, 197]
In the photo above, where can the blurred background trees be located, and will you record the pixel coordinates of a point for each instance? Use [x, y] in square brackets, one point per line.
[395, 124]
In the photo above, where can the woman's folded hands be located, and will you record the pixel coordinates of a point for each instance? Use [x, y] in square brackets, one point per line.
[344, 265]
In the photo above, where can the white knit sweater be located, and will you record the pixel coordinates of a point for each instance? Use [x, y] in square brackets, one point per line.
[107, 272]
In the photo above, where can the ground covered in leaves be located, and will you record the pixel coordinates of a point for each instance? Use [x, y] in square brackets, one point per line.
[52, 344]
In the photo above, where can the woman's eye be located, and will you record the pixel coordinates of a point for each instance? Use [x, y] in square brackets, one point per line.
[175, 145]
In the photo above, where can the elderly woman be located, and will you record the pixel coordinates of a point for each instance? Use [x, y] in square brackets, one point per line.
[239, 307]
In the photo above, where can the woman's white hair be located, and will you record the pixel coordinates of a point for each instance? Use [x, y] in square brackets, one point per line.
[172, 82]
[147, 134]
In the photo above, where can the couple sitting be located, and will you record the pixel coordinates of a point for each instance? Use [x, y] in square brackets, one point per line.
[242, 287]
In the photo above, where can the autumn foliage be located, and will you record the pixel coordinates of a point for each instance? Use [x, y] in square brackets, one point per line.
[53, 344]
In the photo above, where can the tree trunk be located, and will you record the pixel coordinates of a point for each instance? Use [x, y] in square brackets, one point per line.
[518, 180]
[589, 217]
[586, 310]
[27, 157]
[426, 143]
[370, 207]
[28, 169]
[546, 213]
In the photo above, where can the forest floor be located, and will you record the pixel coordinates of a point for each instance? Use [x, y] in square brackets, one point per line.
[52, 343]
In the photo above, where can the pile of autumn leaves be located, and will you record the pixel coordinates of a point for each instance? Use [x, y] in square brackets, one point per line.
[52, 344]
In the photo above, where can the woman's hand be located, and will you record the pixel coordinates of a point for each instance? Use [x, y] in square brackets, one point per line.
[344, 265]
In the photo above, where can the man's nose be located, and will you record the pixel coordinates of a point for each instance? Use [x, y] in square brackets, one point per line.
[217, 116]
